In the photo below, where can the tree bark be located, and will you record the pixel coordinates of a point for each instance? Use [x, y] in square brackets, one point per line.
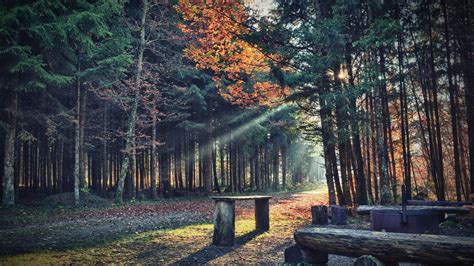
[154, 194]
[328, 160]
[77, 146]
[403, 247]
[9, 152]
[356, 142]
[82, 152]
[207, 157]
[385, 191]
[453, 107]
[105, 168]
[283, 166]
[276, 163]
[134, 109]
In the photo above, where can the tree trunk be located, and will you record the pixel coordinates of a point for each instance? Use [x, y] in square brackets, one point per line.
[134, 109]
[222, 164]
[283, 166]
[105, 168]
[82, 152]
[464, 12]
[437, 125]
[403, 115]
[374, 149]
[453, 107]
[207, 158]
[77, 146]
[154, 194]
[386, 195]
[328, 160]
[9, 153]
[343, 194]
[276, 163]
[360, 178]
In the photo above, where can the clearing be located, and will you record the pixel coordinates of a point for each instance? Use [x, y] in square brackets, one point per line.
[166, 231]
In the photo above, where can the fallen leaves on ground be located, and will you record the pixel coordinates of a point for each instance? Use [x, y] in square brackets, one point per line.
[165, 232]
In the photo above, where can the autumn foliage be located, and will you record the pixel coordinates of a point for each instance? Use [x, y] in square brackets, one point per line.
[241, 70]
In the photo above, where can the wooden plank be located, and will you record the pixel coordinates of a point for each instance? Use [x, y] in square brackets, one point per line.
[262, 214]
[438, 203]
[233, 198]
[366, 209]
[389, 247]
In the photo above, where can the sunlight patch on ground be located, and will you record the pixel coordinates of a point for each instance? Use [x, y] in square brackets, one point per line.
[317, 191]
[192, 243]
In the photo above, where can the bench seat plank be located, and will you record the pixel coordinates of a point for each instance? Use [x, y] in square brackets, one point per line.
[438, 203]
[233, 198]
[366, 209]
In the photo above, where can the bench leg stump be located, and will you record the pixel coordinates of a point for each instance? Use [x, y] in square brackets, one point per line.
[224, 223]
[296, 254]
[338, 215]
[319, 215]
[368, 260]
[262, 215]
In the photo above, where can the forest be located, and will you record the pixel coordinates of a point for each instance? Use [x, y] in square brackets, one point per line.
[368, 102]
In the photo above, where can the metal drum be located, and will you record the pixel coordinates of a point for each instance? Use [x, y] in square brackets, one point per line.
[416, 221]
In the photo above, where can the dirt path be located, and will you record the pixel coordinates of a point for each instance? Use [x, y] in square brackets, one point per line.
[166, 232]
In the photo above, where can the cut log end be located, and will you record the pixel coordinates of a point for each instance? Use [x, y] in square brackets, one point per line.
[296, 254]
[338, 215]
[368, 260]
[319, 214]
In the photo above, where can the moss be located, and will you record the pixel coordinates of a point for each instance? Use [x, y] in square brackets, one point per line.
[191, 230]
[450, 224]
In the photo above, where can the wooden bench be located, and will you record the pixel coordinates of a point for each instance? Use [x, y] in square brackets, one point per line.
[224, 217]
[438, 203]
[387, 247]
[366, 209]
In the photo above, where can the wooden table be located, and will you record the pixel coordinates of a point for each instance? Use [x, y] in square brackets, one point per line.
[365, 209]
[224, 217]
[438, 203]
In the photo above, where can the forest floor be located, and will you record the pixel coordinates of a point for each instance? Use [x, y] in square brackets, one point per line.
[167, 231]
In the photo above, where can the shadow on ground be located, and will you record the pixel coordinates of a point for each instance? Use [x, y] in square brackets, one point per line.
[75, 235]
[212, 252]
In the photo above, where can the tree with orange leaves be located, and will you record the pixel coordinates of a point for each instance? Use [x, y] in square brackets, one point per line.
[241, 71]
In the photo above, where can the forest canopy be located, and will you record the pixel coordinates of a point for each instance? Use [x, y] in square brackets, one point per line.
[141, 98]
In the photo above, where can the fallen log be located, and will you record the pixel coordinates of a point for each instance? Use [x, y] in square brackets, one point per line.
[366, 209]
[438, 203]
[388, 247]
